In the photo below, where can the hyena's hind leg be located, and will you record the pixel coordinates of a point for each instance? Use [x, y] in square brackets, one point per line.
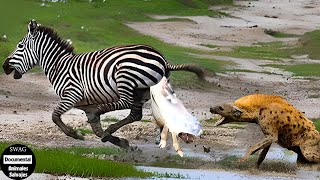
[311, 153]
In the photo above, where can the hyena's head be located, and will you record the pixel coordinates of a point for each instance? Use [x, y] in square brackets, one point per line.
[229, 113]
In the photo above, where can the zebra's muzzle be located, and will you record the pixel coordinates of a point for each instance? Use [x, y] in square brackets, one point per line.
[17, 75]
[8, 69]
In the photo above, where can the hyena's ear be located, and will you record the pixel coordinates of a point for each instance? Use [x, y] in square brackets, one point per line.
[236, 111]
[33, 27]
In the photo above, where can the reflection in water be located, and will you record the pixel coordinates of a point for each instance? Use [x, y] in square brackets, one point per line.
[275, 153]
[208, 174]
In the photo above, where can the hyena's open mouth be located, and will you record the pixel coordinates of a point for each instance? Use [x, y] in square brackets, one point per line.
[186, 137]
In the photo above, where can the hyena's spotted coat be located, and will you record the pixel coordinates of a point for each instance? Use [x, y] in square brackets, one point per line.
[279, 121]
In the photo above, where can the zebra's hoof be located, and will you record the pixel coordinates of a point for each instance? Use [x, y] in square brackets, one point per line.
[77, 135]
[123, 143]
[107, 137]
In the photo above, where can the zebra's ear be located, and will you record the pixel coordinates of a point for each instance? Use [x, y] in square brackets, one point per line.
[33, 26]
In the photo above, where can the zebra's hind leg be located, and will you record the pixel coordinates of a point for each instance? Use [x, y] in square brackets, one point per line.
[140, 97]
[135, 115]
[97, 129]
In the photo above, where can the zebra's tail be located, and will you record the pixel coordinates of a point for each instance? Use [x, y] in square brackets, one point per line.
[199, 71]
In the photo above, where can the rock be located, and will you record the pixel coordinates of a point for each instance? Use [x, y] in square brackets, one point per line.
[206, 149]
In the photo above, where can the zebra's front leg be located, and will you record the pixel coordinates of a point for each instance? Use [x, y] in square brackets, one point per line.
[95, 123]
[97, 129]
[65, 105]
[93, 118]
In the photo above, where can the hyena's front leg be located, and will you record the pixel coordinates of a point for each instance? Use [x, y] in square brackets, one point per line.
[263, 144]
[176, 144]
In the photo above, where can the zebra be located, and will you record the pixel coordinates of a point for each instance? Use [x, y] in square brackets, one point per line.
[96, 82]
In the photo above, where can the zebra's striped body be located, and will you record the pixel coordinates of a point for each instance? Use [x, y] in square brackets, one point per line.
[96, 82]
[102, 76]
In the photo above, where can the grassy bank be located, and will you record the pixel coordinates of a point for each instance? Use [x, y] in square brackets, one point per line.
[309, 44]
[97, 25]
[305, 70]
[317, 123]
[70, 161]
[269, 51]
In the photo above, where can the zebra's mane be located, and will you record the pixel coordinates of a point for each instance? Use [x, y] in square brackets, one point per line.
[55, 37]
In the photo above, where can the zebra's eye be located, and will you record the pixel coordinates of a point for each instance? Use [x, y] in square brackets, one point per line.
[20, 46]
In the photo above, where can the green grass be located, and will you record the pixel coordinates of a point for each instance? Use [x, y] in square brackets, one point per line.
[209, 46]
[67, 161]
[278, 34]
[81, 151]
[271, 51]
[219, 2]
[84, 131]
[103, 24]
[56, 161]
[176, 20]
[309, 44]
[317, 123]
[300, 69]
[230, 162]
[110, 119]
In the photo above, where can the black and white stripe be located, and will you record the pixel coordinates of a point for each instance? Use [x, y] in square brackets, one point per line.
[108, 79]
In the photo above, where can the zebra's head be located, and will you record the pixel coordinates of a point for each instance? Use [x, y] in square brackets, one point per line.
[24, 57]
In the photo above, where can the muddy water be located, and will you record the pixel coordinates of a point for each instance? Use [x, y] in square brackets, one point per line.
[208, 174]
[275, 153]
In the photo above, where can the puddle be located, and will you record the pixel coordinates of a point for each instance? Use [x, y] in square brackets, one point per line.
[275, 153]
[208, 174]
